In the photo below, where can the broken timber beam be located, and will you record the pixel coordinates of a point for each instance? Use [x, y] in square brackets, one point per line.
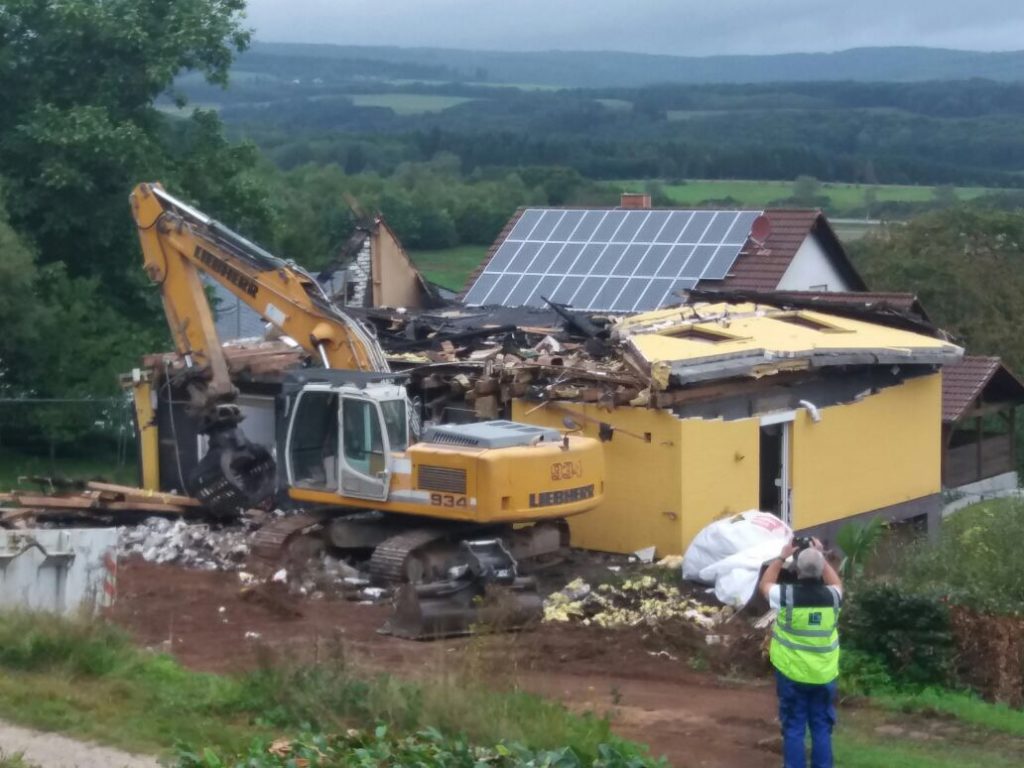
[141, 494]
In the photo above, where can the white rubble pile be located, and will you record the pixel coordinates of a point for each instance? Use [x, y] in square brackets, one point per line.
[158, 540]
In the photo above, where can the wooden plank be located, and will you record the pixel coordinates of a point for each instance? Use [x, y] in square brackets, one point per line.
[14, 515]
[56, 502]
[142, 506]
[141, 494]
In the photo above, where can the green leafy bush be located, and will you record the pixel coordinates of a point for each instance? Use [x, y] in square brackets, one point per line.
[863, 673]
[975, 561]
[428, 748]
[909, 634]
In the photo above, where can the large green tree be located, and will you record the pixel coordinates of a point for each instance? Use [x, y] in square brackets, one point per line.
[966, 264]
[78, 125]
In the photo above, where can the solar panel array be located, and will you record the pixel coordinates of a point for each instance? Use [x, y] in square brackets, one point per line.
[610, 260]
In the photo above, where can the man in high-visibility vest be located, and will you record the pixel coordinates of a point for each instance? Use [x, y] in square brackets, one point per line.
[805, 652]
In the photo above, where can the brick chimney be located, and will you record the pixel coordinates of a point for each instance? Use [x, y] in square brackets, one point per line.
[635, 201]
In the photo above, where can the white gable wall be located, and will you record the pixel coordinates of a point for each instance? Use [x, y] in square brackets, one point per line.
[811, 269]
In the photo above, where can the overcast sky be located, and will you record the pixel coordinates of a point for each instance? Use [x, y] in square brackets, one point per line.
[682, 27]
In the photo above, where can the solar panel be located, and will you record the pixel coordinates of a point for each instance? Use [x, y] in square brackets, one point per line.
[610, 260]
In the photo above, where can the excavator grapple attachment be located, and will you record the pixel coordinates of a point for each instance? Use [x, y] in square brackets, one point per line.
[236, 474]
[484, 593]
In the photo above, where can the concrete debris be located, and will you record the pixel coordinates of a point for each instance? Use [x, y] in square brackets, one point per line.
[663, 655]
[158, 540]
[253, 635]
[280, 577]
[641, 601]
[645, 555]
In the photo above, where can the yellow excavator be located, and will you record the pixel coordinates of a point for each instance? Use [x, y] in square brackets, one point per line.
[459, 509]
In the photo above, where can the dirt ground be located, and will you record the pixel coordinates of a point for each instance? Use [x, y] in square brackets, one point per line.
[653, 694]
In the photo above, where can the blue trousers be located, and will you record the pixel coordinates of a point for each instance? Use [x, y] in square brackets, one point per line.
[803, 706]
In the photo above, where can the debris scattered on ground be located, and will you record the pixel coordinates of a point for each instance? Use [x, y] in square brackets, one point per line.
[639, 601]
[158, 540]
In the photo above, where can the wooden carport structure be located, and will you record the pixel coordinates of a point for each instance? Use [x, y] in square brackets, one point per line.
[980, 397]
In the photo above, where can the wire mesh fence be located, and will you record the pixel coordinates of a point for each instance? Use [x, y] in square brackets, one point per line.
[66, 436]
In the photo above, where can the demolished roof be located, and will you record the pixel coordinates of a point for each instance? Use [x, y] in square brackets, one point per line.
[899, 310]
[974, 377]
[705, 342]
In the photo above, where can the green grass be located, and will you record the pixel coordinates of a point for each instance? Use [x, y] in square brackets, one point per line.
[14, 761]
[964, 707]
[407, 103]
[760, 193]
[870, 750]
[852, 229]
[616, 104]
[86, 679]
[450, 267]
[14, 465]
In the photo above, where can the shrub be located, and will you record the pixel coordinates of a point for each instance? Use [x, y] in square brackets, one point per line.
[428, 748]
[863, 673]
[908, 633]
[975, 561]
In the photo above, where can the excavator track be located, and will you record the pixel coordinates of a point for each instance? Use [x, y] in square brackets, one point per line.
[391, 559]
[270, 543]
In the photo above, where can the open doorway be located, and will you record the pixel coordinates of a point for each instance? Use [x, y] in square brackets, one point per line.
[774, 468]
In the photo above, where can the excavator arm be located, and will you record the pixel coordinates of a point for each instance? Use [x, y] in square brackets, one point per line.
[179, 243]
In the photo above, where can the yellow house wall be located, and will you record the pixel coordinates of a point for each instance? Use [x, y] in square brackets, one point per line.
[643, 484]
[880, 451]
[720, 472]
[862, 456]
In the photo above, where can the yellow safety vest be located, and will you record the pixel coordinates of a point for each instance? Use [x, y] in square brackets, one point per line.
[805, 638]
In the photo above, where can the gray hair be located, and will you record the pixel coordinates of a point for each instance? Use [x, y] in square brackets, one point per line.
[810, 564]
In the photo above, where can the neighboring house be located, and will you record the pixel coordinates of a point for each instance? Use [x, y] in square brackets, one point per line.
[980, 397]
[634, 258]
[371, 270]
[818, 418]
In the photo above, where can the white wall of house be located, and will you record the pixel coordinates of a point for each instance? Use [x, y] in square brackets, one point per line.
[812, 270]
[259, 422]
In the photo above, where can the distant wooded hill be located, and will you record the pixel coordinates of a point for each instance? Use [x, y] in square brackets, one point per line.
[597, 69]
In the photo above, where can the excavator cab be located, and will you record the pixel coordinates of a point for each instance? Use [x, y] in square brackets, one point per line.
[341, 439]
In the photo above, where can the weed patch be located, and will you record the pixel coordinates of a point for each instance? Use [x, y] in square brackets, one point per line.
[86, 678]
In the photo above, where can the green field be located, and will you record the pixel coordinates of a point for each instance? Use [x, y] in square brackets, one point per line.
[616, 104]
[451, 266]
[761, 193]
[407, 103]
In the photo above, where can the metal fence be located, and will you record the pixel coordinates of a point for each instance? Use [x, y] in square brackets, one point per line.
[100, 429]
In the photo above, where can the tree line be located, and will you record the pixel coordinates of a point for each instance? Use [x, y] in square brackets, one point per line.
[924, 133]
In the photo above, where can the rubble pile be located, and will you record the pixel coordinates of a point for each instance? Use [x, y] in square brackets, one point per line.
[475, 361]
[158, 540]
[639, 601]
